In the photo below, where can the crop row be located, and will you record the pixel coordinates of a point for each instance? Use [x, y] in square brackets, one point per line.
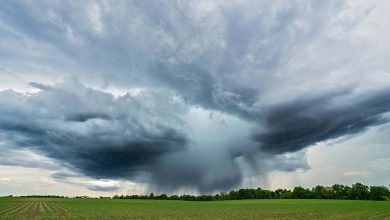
[33, 209]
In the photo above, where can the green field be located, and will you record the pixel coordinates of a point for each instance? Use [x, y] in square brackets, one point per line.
[28, 208]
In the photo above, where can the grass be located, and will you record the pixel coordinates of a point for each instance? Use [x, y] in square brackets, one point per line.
[34, 208]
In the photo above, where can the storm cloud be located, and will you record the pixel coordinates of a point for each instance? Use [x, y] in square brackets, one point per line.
[193, 95]
[300, 123]
[92, 131]
[145, 137]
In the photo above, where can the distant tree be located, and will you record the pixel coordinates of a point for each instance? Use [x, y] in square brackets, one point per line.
[223, 196]
[162, 196]
[359, 191]
[282, 194]
[322, 192]
[174, 197]
[233, 195]
[259, 193]
[287, 194]
[340, 191]
[278, 193]
[188, 197]
[246, 194]
[301, 193]
[327, 193]
[337, 191]
[267, 194]
[379, 193]
[205, 198]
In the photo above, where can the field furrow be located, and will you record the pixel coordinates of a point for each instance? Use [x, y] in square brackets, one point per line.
[46, 207]
[15, 208]
[59, 211]
[11, 206]
[41, 209]
[32, 211]
[61, 207]
[22, 213]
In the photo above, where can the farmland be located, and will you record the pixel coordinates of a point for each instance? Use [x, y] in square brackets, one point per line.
[47, 208]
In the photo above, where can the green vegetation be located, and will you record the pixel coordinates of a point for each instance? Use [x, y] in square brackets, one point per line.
[64, 208]
[335, 202]
[357, 191]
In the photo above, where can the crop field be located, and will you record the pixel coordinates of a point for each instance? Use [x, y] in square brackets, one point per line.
[34, 208]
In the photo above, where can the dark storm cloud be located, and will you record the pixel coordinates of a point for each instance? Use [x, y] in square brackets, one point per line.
[82, 117]
[118, 138]
[139, 138]
[300, 123]
[185, 46]
[205, 171]
[237, 55]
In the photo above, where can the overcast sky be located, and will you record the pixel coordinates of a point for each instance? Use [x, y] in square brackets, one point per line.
[109, 97]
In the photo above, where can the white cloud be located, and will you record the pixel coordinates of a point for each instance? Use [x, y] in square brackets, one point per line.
[95, 16]
[357, 173]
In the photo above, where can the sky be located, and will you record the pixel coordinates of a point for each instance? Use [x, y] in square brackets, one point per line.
[132, 97]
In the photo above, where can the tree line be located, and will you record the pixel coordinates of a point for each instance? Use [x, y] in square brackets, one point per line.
[357, 191]
[41, 196]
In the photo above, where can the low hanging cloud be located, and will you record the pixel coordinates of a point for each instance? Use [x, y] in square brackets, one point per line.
[301, 123]
[103, 185]
[92, 131]
[148, 137]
